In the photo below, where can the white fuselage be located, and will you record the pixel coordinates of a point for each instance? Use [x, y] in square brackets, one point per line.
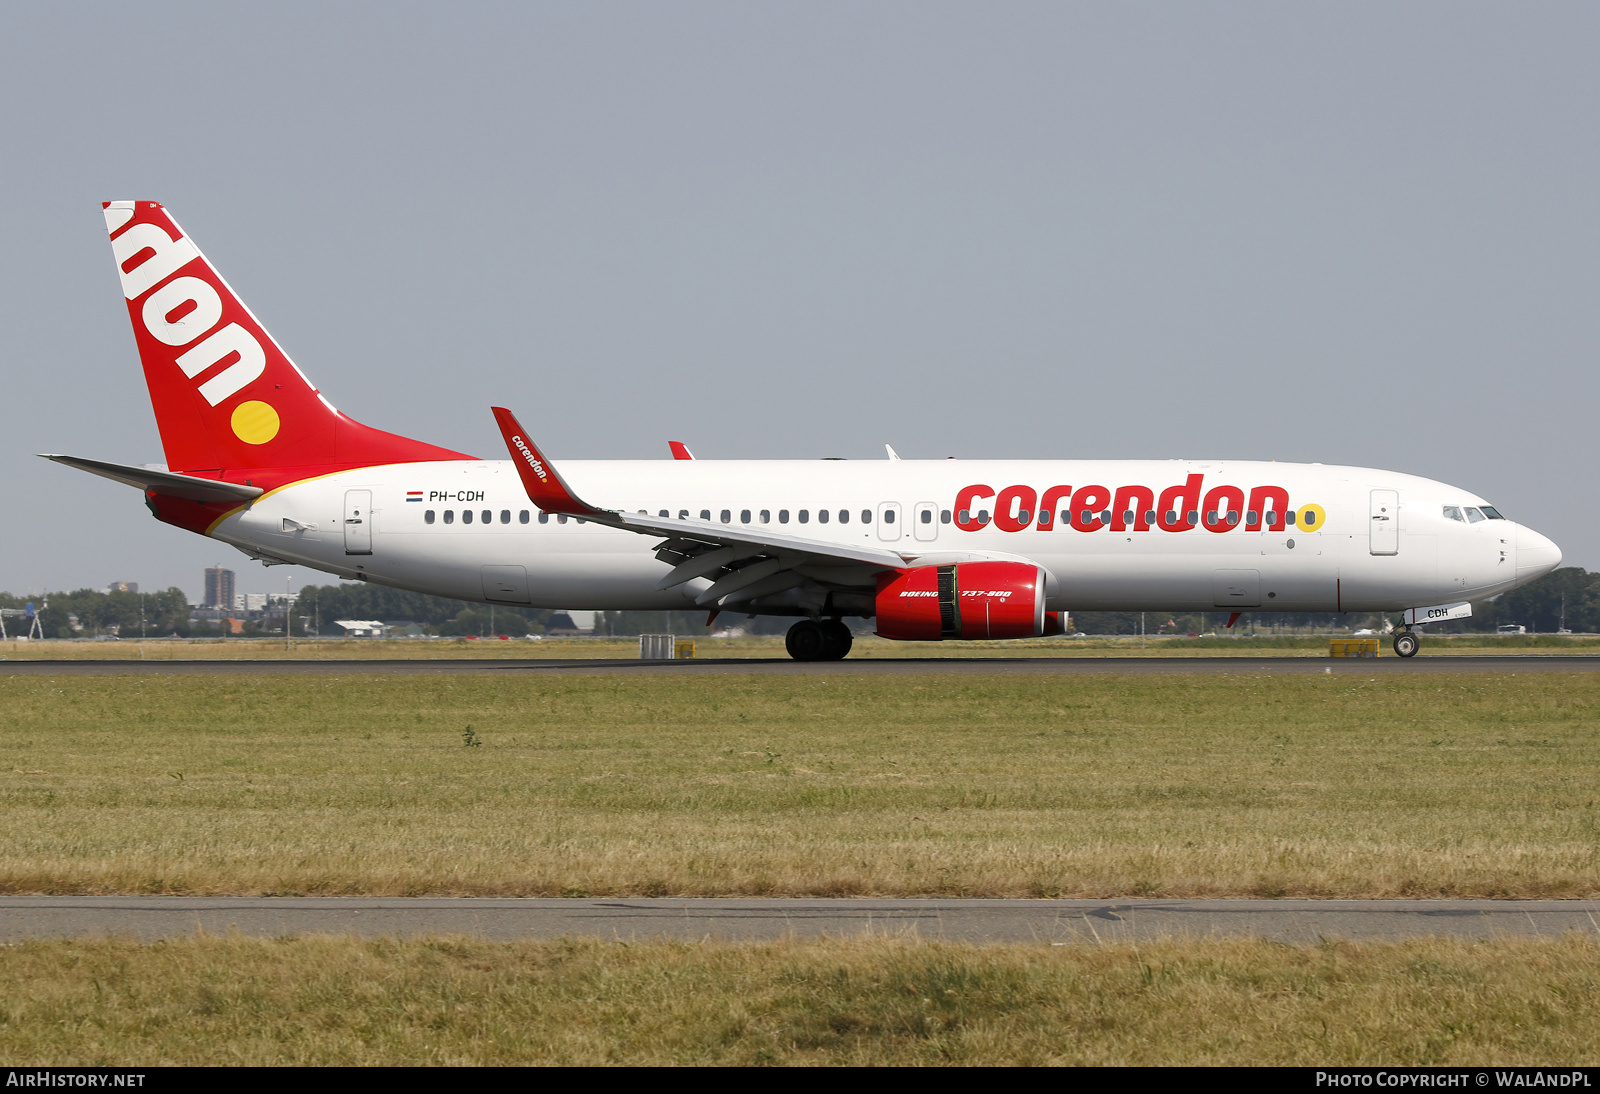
[1350, 560]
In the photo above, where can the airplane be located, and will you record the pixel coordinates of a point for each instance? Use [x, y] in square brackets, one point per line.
[930, 550]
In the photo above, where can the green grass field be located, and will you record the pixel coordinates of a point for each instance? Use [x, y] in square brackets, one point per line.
[341, 1001]
[767, 646]
[1239, 785]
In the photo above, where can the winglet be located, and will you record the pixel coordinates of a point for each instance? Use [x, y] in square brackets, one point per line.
[680, 451]
[546, 488]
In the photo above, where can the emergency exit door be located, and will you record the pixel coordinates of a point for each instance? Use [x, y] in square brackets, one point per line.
[358, 522]
[1385, 523]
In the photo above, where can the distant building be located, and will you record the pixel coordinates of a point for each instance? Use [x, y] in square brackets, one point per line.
[566, 621]
[361, 628]
[219, 588]
[251, 602]
[123, 587]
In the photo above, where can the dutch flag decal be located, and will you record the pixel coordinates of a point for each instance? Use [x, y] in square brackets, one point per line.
[413, 495]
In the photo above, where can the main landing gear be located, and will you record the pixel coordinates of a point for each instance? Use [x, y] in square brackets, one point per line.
[1407, 642]
[827, 640]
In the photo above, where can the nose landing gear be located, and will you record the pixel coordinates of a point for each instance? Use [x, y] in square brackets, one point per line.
[828, 640]
[1407, 642]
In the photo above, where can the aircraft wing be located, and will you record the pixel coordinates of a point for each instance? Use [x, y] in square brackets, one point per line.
[170, 483]
[743, 562]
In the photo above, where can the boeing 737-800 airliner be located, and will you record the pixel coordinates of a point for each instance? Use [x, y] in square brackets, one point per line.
[930, 549]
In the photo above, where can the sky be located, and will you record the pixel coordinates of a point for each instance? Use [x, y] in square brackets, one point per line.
[1346, 232]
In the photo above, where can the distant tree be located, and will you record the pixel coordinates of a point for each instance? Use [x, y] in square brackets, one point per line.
[1540, 605]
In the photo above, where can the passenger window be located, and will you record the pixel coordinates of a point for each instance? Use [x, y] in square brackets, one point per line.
[1249, 516]
[966, 516]
[1288, 518]
[822, 516]
[1150, 516]
[744, 516]
[505, 516]
[664, 513]
[1127, 518]
[522, 517]
[888, 516]
[727, 517]
[783, 516]
[1452, 512]
[683, 514]
[1105, 517]
[466, 516]
[1211, 516]
[805, 516]
[944, 516]
[1066, 516]
[427, 518]
[766, 516]
[544, 518]
[983, 516]
[1474, 515]
[561, 518]
[844, 516]
[926, 516]
[705, 514]
[1194, 518]
[1233, 516]
[449, 516]
[866, 517]
[488, 516]
[1172, 517]
[1024, 516]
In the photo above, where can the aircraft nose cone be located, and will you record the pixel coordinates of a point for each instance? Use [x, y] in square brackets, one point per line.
[1536, 555]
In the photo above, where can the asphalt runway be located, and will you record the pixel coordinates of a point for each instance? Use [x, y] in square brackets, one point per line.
[971, 666]
[1055, 922]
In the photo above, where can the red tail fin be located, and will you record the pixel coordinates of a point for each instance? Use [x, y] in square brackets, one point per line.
[226, 396]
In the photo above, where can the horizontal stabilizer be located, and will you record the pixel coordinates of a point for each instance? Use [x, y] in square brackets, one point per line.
[162, 482]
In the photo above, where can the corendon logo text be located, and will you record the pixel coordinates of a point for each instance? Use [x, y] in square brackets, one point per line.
[533, 460]
[1177, 508]
[183, 312]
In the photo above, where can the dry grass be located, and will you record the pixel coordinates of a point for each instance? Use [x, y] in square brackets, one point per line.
[342, 1001]
[768, 646]
[1340, 785]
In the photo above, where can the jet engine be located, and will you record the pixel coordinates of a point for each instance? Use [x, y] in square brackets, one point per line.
[964, 600]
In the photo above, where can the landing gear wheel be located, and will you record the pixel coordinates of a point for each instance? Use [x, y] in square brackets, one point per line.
[806, 641]
[1406, 643]
[839, 640]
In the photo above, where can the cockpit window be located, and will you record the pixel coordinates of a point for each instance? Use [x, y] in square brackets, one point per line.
[1474, 515]
[1492, 513]
[1454, 513]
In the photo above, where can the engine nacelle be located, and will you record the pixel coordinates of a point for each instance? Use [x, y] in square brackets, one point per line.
[966, 600]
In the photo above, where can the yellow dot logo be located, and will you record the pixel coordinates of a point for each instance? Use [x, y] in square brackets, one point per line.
[255, 422]
[1312, 517]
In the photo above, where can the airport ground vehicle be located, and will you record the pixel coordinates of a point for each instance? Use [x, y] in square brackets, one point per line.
[930, 549]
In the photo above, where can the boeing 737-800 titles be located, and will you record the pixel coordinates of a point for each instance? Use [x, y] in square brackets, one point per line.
[930, 549]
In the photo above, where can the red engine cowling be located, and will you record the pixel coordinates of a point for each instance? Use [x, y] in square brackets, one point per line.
[966, 600]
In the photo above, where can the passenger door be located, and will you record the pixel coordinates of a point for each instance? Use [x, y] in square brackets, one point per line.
[1385, 523]
[358, 522]
[925, 521]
